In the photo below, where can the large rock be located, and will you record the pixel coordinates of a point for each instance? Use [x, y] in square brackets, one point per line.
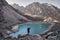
[31, 37]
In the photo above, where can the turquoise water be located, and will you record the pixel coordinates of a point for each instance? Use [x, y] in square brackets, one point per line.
[34, 29]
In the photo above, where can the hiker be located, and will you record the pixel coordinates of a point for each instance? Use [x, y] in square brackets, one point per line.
[28, 30]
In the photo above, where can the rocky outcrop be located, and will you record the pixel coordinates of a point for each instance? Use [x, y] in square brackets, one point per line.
[31, 37]
[53, 33]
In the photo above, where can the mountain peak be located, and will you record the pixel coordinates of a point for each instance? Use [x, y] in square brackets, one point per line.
[15, 4]
[36, 3]
[44, 9]
[47, 4]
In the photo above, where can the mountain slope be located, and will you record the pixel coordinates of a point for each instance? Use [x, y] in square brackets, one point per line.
[45, 10]
[8, 17]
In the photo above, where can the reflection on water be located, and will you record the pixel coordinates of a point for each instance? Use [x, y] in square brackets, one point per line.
[34, 29]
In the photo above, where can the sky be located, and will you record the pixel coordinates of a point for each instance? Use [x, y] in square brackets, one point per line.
[26, 2]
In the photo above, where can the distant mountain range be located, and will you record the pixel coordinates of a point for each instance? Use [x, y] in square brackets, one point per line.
[21, 8]
[47, 11]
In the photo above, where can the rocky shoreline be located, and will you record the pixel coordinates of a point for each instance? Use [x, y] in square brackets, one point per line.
[52, 34]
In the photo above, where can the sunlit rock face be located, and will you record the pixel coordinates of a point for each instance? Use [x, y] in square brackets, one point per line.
[9, 17]
[49, 19]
